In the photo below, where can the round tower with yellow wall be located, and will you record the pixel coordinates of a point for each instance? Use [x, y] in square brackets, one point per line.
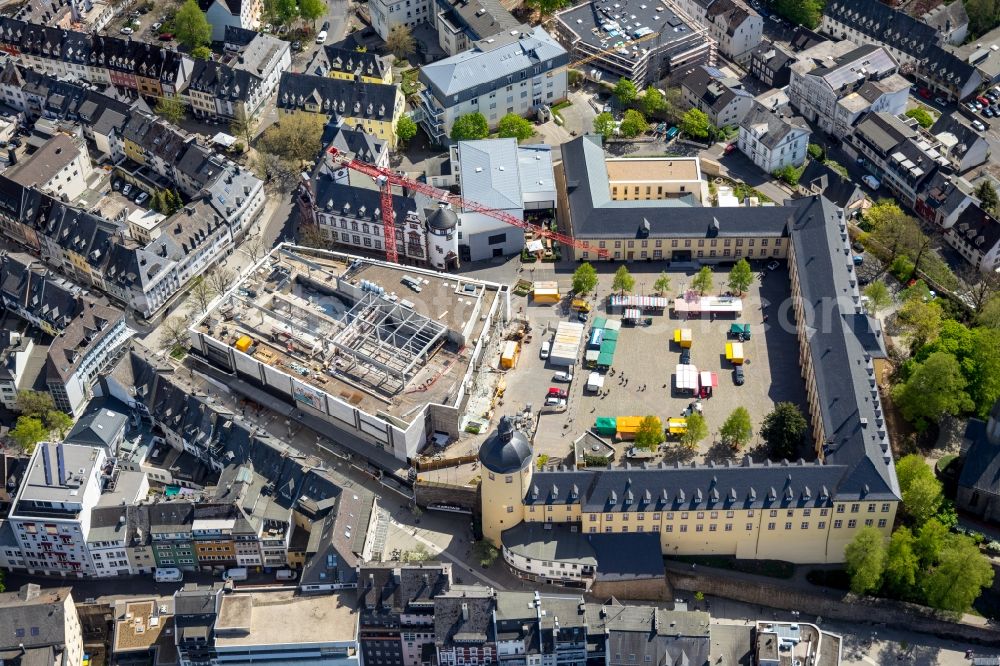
[506, 458]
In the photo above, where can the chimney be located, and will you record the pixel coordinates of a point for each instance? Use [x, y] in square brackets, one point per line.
[46, 465]
[465, 612]
[61, 463]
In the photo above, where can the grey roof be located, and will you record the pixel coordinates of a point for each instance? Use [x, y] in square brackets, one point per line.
[534, 166]
[27, 284]
[489, 172]
[475, 602]
[507, 450]
[470, 73]
[442, 219]
[717, 92]
[363, 63]
[108, 523]
[771, 128]
[353, 141]
[595, 215]
[98, 427]
[947, 16]
[981, 464]
[883, 23]
[33, 618]
[666, 637]
[479, 18]
[57, 153]
[671, 28]
[775, 56]
[823, 180]
[337, 97]
[551, 542]
[883, 131]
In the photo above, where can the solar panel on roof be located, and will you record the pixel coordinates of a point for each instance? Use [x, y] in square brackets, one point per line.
[715, 72]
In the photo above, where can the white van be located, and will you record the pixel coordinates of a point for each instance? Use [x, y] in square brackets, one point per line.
[321, 37]
[285, 574]
[168, 575]
[239, 573]
[543, 350]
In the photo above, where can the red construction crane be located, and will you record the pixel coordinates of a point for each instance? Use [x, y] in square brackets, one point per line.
[386, 178]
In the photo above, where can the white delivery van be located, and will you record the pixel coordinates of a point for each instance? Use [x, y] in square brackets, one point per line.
[168, 575]
[285, 574]
[239, 573]
[595, 382]
[544, 349]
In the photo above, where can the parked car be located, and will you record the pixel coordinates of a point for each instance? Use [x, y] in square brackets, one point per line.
[553, 401]
[126, 189]
[127, 30]
[871, 181]
[166, 36]
[564, 376]
[544, 349]
[925, 93]
[971, 107]
[730, 148]
[142, 198]
[739, 378]
[168, 575]
[116, 185]
[321, 37]
[236, 574]
[982, 100]
[979, 125]
[325, 26]
[556, 392]
[296, 45]
[685, 357]
[286, 574]
[773, 266]
[940, 100]
[156, 26]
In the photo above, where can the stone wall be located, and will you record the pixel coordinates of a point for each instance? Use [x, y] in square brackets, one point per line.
[651, 589]
[831, 604]
[429, 492]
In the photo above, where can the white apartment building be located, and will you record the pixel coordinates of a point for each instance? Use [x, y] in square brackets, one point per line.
[517, 72]
[52, 509]
[92, 343]
[60, 168]
[773, 141]
[834, 83]
[734, 25]
[15, 353]
[387, 14]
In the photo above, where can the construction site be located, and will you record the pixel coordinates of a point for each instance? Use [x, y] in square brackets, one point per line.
[386, 353]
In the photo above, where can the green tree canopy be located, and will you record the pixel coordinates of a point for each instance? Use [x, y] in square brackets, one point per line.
[547, 6]
[902, 563]
[58, 423]
[922, 116]
[737, 428]
[983, 16]
[801, 12]
[623, 280]
[604, 124]
[920, 489]
[662, 284]
[584, 278]
[170, 109]
[783, 430]
[280, 12]
[633, 124]
[406, 129]
[931, 540]
[878, 295]
[921, 321]
[297, 137]
[652, 102]
[191, 28]
[741, 276]
[400, 42]
[702, 281]
[201, 53]
[649, 434]
[485, 553]
[312, 10]
[935, 388]
[695, 124]
[961, 574]
[34, 403]
[625, 91]
[469, 127]
[697, 430]
[987, 196]
[513, 126]
[28, 431]
[865, 557]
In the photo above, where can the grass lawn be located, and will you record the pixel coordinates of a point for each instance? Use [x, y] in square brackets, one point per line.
[410, 85]
[770, 568]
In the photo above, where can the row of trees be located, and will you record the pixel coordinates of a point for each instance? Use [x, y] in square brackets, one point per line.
[39, 420]
[472, 126]
[739, 280]
[284, 12]
[922, 562]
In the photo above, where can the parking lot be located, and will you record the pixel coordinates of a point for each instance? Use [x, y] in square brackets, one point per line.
[641, 380]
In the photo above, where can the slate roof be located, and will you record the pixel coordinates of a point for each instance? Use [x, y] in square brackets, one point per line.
[355, 99]
[364, 203]
[451, 629]
[356, 142]
[108, 523]
[883, 131]
[977, 228]
[364, 63]
[833, 186]
[480, 18]
[506, 450]
[97, 427]
[717, 93]
[37, 289]
[33, 618]
[771, 128]
[947, 16]
[222, 81]
[595, 215]
[981, 465]
[489, 172]
[471, 72]
[884, 24]
[84, 333]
